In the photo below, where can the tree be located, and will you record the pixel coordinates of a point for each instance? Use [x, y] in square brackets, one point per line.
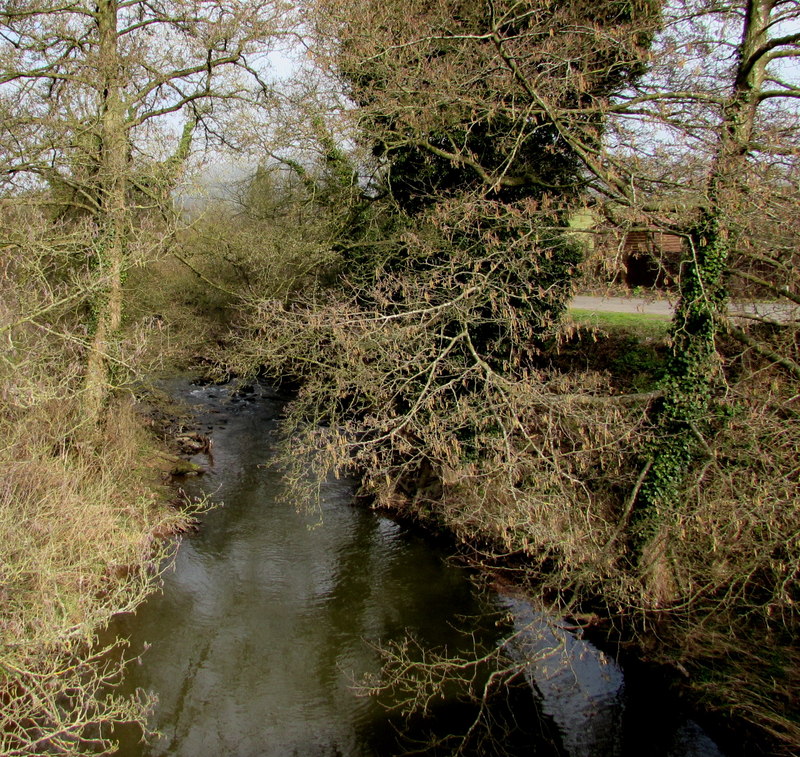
[490, 121]
[94, 90]
[744, 171]
[455, 101]
[545, 100]
[465, 92]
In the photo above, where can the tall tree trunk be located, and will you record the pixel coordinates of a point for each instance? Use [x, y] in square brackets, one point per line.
[686, 412]
[112, 220]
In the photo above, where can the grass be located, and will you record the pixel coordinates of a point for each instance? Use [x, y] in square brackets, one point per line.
[644, 326]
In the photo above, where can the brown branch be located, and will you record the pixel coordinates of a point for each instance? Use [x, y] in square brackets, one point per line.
[745, 338]
[781, 291]
[622, 524]
[204, 278]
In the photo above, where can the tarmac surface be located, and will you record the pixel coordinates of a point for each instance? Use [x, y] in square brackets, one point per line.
[781, 312]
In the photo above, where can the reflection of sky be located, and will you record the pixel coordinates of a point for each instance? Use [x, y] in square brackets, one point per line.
[585, 692]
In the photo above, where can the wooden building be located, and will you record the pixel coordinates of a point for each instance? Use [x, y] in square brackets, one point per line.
[650, 259]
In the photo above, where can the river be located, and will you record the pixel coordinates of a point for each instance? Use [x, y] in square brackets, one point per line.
[270, 618]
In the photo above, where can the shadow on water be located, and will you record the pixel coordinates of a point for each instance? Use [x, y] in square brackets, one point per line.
[267, 619]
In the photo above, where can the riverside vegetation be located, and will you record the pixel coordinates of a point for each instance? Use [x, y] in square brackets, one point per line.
[81, 531]
[404, 256]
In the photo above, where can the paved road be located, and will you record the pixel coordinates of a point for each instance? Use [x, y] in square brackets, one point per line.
[622, 305]
[778, 311]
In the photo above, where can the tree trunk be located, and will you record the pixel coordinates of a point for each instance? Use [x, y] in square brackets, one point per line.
[112, 218]
[686, 414]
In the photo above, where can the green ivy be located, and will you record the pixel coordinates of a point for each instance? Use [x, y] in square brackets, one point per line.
[687, 413]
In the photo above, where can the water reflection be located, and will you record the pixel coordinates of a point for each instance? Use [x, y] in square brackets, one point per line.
[262, 626]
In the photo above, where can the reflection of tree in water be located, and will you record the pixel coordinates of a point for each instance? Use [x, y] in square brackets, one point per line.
[474, 701]
[388, 583]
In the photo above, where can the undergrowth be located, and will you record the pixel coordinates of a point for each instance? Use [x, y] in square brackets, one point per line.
[538, 468]
[78, 543]
[81, 530]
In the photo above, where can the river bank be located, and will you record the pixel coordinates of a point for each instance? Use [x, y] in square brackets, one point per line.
[82, 537]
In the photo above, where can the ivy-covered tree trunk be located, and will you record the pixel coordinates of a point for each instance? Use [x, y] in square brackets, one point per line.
[460, 102]
[686, 417]
[111, 221]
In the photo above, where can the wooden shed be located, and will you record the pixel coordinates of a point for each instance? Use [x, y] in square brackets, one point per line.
[651, 258]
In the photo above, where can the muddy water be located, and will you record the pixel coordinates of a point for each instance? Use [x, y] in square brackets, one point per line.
[268, 619]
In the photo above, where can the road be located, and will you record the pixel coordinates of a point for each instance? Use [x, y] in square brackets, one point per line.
[622, 305]
[777, 311]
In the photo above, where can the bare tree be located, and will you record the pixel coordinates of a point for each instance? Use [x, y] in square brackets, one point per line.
[92, 89]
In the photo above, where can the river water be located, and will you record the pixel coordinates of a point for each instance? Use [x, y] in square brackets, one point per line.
[269, 619]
